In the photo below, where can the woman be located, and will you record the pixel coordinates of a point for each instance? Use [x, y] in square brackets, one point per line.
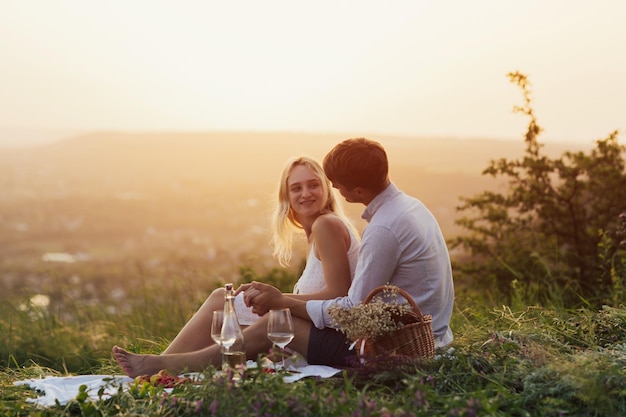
[306, 202]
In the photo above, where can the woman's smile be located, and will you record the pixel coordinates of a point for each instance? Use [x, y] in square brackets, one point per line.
[305, 192]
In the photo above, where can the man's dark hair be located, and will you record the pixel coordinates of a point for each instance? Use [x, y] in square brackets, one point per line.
[358, 162]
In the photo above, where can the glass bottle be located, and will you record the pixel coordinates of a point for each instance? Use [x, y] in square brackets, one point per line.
[234, 350]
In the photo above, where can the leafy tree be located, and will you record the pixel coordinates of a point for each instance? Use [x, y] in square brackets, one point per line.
[557, 232]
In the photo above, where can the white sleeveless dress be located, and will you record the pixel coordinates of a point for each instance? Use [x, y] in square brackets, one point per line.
[311, 281]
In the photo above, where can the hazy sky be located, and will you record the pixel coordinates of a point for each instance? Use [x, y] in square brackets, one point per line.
[418, 68]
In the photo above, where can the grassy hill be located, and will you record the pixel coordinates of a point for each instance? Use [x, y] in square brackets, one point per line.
[152, 222]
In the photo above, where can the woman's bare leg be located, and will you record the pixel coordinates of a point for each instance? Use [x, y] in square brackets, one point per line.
[196, 334]
[134, 364]
[255, 337]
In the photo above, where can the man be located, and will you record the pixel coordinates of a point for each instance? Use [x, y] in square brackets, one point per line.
[402, 245]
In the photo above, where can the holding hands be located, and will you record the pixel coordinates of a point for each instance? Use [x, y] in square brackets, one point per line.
[261, 297]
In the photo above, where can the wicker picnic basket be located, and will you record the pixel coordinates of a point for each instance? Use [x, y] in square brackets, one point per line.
[414, 339]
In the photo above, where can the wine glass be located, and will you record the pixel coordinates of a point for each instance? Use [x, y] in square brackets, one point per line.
[216, 326]
[280, 329]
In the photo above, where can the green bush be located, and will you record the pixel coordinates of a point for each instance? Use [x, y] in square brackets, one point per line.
[557, 233]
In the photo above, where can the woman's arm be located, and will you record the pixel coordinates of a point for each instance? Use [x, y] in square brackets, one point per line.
[332, 243]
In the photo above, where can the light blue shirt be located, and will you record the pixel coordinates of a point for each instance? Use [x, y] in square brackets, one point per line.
[402, 245]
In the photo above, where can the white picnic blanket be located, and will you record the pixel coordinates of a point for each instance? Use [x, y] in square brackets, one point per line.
[66, 388]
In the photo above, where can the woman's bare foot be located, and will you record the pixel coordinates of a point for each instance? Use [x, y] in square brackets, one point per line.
[134, 364]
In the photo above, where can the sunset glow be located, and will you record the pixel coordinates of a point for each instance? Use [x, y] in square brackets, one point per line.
[416, 68]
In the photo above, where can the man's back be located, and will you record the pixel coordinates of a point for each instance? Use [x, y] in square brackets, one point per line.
[403, 246]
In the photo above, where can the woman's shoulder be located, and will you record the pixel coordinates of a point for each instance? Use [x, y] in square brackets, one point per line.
[329, 227]
[329, 223]
[327, 220]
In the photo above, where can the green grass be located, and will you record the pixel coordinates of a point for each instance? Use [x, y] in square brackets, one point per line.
[529, 361]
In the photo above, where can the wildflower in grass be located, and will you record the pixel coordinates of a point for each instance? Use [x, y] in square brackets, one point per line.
[419, 398]
[473, 407]
[257, 407]
[173, 402]
[198, 407]
[344, 398]
[384, 412]
[367, 404]
[213, 407]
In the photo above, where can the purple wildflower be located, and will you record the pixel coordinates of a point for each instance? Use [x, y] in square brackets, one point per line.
[213, 407]
[198, 406]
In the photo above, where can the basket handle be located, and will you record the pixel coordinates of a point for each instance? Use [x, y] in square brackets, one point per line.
[400, 291]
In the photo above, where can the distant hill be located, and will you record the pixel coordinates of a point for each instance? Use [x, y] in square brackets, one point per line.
[228, 151]
[236, 166]
[24, 137]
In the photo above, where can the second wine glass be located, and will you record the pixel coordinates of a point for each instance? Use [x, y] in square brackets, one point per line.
[280, 329]
[216, 326]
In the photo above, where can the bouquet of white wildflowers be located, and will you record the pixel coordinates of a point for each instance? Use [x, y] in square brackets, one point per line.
[374, 319]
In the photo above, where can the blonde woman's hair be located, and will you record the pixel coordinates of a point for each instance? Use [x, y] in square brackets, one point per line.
[285, 223]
